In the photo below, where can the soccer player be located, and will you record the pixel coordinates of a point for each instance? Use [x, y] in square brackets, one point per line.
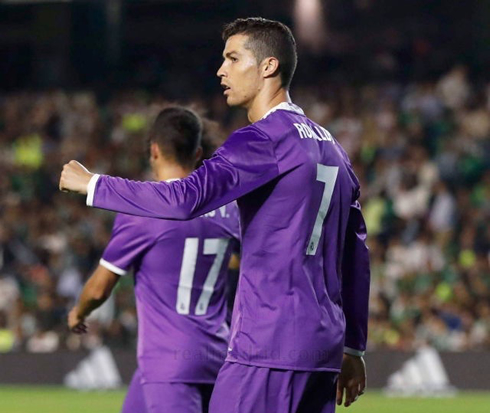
[179, 271]
[300, 318]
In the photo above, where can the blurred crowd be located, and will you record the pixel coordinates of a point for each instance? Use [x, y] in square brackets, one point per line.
[420, 150]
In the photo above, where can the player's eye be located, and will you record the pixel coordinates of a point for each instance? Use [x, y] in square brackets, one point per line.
[234, 59]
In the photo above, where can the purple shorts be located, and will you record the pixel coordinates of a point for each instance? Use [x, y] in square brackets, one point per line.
[166, 397]
[250, 389]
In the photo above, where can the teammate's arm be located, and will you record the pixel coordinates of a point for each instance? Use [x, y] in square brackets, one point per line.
[96, 291]
[355, 298]
[245, 162]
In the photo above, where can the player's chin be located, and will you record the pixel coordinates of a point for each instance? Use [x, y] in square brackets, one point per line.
[230, 101]
[234, 100]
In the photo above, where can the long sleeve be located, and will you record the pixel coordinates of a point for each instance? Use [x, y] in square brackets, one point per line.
[355, 282]
[245, 162]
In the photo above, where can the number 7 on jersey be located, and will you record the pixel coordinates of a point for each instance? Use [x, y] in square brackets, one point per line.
[327, 175]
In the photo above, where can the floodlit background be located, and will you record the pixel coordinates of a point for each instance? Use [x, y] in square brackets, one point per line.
[403, 85]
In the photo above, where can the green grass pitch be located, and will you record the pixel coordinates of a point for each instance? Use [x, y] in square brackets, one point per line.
[26, 399]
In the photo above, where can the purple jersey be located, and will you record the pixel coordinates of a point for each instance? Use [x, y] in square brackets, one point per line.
[180, 269]
[304, 276]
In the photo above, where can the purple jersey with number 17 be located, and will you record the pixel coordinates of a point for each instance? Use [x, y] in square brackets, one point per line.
[304, 272]
[180, 272]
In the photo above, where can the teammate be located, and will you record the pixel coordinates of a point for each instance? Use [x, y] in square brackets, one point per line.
[180, 269]
[300, 315]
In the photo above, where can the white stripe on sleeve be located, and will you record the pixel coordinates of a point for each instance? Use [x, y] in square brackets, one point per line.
[112, 267]
[353, 352]
[91, 189]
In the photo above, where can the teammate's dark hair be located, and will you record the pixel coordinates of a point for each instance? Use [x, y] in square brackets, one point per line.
[267, 38]
[177, 131]
[212, 138]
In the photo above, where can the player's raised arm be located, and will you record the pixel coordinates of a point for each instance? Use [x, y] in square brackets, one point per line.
[245, 162]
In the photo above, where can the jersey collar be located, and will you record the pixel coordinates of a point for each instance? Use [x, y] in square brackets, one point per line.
[289, 106]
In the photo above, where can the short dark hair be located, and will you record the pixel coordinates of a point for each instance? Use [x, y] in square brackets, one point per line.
[267, 38]
[213, 137]
[177, 131]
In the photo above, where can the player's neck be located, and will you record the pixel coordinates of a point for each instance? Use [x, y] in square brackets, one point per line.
[266, 101]
[171, 172]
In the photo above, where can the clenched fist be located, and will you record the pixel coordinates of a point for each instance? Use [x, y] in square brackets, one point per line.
[75, 178]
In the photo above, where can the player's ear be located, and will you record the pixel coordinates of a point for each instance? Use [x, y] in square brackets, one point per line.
[199, 153]
[270, 67]
[155, 152]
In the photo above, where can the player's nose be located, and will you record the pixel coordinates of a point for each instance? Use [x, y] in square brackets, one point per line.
[220, 73]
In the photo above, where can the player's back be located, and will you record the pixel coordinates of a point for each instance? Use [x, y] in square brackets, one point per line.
[180, 273]
[288, 312]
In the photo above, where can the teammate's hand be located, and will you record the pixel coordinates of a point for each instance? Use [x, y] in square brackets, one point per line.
[75, 178]
[75, 323]
[352, 379]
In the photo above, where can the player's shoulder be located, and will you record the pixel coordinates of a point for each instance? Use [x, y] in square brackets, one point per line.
[280, 120]
[244, 140]
[139, 225]
[127, 220]
[250, 131]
